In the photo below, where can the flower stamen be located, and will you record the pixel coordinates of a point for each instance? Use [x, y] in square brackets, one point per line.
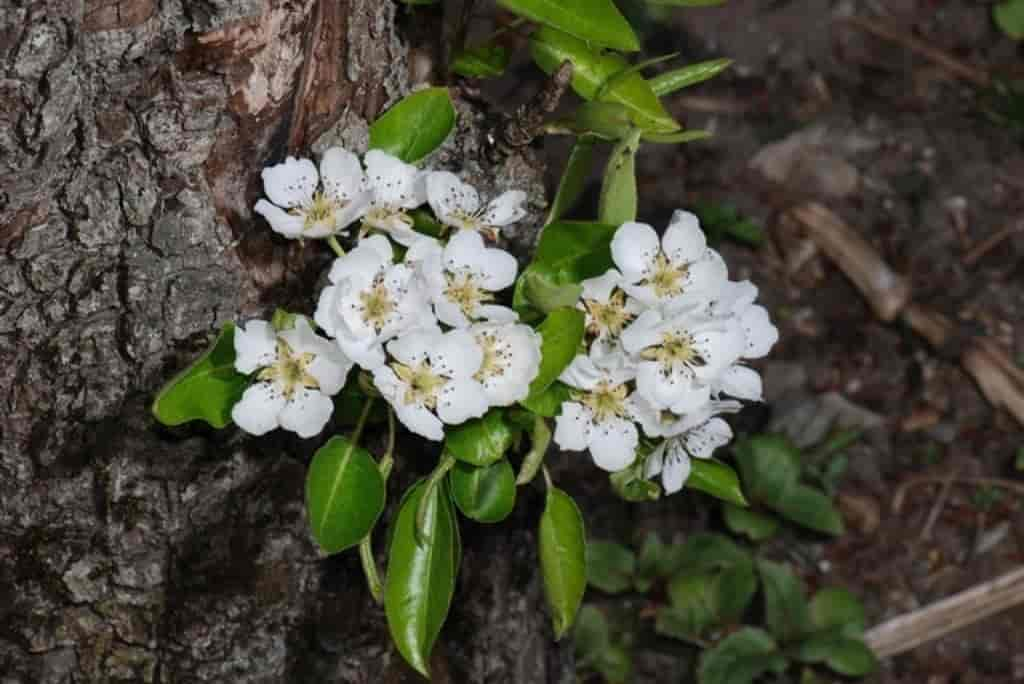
[290, 371]
[605, 401]
[423, 384]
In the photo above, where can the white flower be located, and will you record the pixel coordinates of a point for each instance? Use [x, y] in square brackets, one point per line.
[431, 380]
[600, 416]
[671, 458]
[371, 300]
[298, 373]
[457, 204]
[680, 355]
[661, 423]
[657, 272]
[462, 277]
[608, 310]
[511, 360]
[738, 381]
[397, 187]
[297, 209]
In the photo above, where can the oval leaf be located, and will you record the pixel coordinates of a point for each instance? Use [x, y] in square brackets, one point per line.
[562, 558]
[716, 479]
[574, 178]
[597, 21]
[421, 575]
[617, 204]
[483, 61]
[610, 566]
[561, 333]
[481, 441]
[753, 524]
[486, 494]
[592, 69]
[837, 608]
[207, 390]
[416, 126]
[677, 79]
[344, 494]
[785, 604]
[740, 658]
[811, 508]
[549, 402]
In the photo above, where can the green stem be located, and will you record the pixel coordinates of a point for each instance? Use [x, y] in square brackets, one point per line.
[541, 439]
[335, 245]
[444, 465]
[373, 581]
[387, 461]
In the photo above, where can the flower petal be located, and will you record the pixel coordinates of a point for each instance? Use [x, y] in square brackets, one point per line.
[496, 313]
[643, 332]
[257, 412]
[676, 470]
[460, 400]
[255, 346]
[363, 263]
[684, 242]
[691, 398]
[655, 461]
[394, 182]
[341, 174]
[506, 208]
[635, 246]
[582, 373]
[499, 268]
[707, 275]
[702, 440]
[613, 444]
[456, 354]
[290, 183]
[280, 220]
[741, 382]
[414, 347]
[307, 413]
[449, 196]
[600, 288]
[760, 334]
[572, 427]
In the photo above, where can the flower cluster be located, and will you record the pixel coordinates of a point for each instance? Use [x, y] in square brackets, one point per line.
[666, 336]
[420, 320]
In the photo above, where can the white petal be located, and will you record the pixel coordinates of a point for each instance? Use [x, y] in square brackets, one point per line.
[643, 332]
[368, 354]
[290, 183]
[307, 413]
[734, 297]
[363, 263]
[719, 346]
[255, 346]
[460, 400]
[600, 288]
[684, 241]
[394, 182]
[456, 354]
[414, 347]
[692, 398]
[760, 334]
[635, 246]
[707, 275]
[660, 389]
[448, 195]
[341, 174]
[741, 382]
[464, 251]
[450, 313]
[419, 420]
[582, 373]
[280, 220]
[342, 218]
[425, 251]
[499, 268]
[506, 208]
[613, 444]
[572, 427]
[702, 440]
[642, 293]
[655, 461]
[326, 315]
[257, 412]
[677, 467]
[496, 313]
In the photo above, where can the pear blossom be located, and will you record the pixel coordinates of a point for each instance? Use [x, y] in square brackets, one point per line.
[297, 372]
[511, 360]
[431, 381]
[679, 355]
[457, 204]
[396, 188]
[600, 415]
[462, 277]
[671, 458]
[307, 204]
[370, 300]
[657, 272]
[608, 310]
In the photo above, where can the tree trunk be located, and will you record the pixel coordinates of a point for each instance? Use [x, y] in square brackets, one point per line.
[132, 135]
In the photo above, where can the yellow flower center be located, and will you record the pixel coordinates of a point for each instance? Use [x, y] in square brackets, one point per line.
[290, 371]
[611, 317]
[464, 291]
[666, 278]
[423, 383]
[495, 360]
[605, 401]
[674, 348]
[376, 304]
[321, 209]
[386, 217]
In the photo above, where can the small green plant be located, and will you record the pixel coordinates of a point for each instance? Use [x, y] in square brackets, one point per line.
[1009, 17]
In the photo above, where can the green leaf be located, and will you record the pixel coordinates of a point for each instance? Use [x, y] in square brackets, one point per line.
[691, 74]
[694, 606]
[616, 664]
[548, 403]
[848, 656]
[574, 178]
[591, 637]
[631, 485]
[421, 575]
[344, 494]
[483, 61]
[591, 69]
[810, 508]
[1009, 17]
[562, 558]
[416, 126]
[207, 390]
[546, 296]
[481, 441]
[610, 566]
[769, 464]
[597, 21]
[785, 603]
[740, 658]
[486, 494]
[617, 204]
[602, 120]
[721, 571]
[837, 608]
[561, 333]
[686, 3]
[676, 137]
[716, 479]
[720, 221]
[757, 526]
[540, 439]
[650, 562]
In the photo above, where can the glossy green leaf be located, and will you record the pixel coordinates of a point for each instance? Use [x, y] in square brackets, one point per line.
[769, 464]
[757, 526]
[618, 200]
[848, 656]
[482, 61]
[344, 494]
[714, 583]
[810, 508]
[207, 390]
[540, 440]
[691, 74]
[693, 608]
[837, 608]
[481, 441]
[592, 68]
[562, 558]
[1009, 17]
[610, 566]
[574, 178]
[546, 296]
[596, 21]
[591, 636]
[421, 575]
[548, 403]
[604, 120]
[740, 658]
[416, 126]
[717, 479]
[561, 333]
[631, 69]
[486, 494]
[785, 602]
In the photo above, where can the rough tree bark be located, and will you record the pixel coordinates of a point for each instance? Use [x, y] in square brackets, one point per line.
[132, 133]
